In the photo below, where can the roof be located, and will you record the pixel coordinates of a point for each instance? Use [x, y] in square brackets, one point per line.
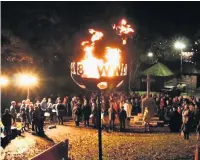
[158, 69]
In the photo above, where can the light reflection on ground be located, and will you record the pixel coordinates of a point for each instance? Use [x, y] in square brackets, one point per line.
[83, 145]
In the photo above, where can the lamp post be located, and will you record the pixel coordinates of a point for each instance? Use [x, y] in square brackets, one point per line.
[150, 55]
[95, 73]
[27, 80]
[100, 84]
[180, 46]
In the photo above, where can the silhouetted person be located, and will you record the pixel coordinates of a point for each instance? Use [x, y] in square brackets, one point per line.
[36, 119]
[122, 119]
[175, 121]
[13, 110]
[7, 122]
[111, 114]
[77, 113]
[86, 110]
[60, 111]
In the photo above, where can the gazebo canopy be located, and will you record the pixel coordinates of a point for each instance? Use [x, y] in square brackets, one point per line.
[159, 70]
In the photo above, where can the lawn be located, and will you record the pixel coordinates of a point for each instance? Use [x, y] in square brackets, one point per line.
[123, 146]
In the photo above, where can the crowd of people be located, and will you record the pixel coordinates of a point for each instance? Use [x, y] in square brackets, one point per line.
[180, 113]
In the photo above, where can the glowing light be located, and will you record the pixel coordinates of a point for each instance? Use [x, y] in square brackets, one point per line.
[102, 85]
[187, 54]
[120, 83]
[123, 29]
[150, 54]
[96, 35]
[92, 64]
[4, 81]
[27, 80]
[179, 45]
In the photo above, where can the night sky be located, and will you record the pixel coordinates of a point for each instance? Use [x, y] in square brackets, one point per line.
[52, 31]
[166, 18]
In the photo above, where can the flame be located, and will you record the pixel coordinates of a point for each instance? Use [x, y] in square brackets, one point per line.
[91, 63]
[123, 29]
[96, 35]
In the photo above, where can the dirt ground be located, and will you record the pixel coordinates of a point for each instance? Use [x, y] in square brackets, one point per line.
[83, 144]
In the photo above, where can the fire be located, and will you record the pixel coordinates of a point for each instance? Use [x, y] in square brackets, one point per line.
[92, 64]
[96, 35]
[109, 65]
[123, 29]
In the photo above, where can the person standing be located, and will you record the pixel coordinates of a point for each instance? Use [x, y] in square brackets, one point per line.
[122, 119]
[36, 119]
[146, 119]
[27, 113]
[94, 114]
[175, 121]
[24, 120]
[49, 109]
[128, 109]
[86, 110]
[60, 112]
[185, 126]
[77, 113]
[43, 105]
[7, 122]
[23, 106]
[13, 110]
[111, 114]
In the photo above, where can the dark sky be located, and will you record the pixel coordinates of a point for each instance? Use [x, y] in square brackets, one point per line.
[166, 18]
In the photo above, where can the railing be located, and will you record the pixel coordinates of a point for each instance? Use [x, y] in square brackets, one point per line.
[57, 152]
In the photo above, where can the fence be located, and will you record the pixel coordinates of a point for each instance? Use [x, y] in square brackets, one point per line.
[57, 152]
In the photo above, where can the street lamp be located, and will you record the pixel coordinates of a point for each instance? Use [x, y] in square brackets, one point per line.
[180, 46]
[97, 73]
[27, 80]
[4, 81]
[150, 54]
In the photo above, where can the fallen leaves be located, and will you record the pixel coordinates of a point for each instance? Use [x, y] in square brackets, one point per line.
[83, 144]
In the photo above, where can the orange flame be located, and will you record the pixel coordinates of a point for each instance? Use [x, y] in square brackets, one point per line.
[123, 29]
[92, 64]
[96, 35]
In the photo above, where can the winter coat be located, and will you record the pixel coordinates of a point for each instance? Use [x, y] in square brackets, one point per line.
[185, 116]
[24, 118]
[7, 119]
[36, 117]
[86, 110]
[186, 127]
[60, 109]
[22, 108]
[128, 109]
[111, 113]
[122, 115]
[13, 111]
[77, 114]
[43, 105]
